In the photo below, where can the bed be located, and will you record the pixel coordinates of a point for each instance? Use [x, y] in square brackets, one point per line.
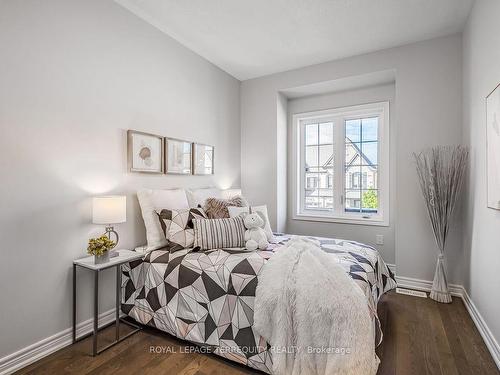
[207, 298]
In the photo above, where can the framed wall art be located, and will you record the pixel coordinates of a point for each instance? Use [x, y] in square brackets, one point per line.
[178, 154]
[203, 159]
[493, 147]
[145, 152]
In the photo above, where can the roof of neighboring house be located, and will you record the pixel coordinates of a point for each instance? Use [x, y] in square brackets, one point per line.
[358, 152]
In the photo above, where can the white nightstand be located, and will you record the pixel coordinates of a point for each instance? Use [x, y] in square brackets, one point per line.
[124, 256]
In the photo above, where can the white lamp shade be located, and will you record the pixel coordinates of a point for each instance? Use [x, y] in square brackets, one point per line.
[109, 209]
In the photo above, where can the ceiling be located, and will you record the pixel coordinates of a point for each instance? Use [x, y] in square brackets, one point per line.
[252, 38]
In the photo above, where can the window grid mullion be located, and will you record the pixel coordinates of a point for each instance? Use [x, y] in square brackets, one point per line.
[318, 181]
[339, 179]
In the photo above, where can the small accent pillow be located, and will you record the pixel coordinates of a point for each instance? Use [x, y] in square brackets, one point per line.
[219, 233]
[216, 208]
[177, 226]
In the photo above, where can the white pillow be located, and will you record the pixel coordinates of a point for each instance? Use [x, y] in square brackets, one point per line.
[236, 211]
[230, 193]
[199, 196]
[150, 200]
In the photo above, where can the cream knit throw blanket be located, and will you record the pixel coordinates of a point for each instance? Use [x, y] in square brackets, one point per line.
[313, 314]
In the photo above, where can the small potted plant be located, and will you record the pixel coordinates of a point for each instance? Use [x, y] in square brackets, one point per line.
[99, 247]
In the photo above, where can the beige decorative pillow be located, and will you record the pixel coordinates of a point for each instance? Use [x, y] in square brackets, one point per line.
[216, 208]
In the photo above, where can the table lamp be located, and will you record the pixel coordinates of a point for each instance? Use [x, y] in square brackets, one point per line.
[109, 210]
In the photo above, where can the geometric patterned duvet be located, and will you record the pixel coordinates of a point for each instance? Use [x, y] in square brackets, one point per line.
[208, 297]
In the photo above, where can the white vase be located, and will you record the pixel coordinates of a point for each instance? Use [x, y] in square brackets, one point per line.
[440, 292]
[100, 259]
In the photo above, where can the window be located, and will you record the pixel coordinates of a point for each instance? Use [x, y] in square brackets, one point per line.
[354, 178]
[342, 164]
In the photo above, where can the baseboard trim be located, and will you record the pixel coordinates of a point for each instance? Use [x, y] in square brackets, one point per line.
[42, 348]
[426, 286]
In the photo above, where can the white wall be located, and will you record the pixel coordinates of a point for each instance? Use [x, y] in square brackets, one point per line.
[282, 162]
[74, 76]
[428, 112]
[366, 233]
[481, 55]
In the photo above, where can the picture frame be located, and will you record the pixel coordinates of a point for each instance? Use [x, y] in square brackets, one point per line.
[203, 159]
[145, 152]
[493, 148]
[178, 156]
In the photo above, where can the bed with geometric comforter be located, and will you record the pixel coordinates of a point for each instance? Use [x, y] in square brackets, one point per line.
[207, 297]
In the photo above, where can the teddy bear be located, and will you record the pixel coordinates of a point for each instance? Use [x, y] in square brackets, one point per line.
[255, 235]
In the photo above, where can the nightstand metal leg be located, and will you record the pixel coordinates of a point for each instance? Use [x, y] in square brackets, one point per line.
[96, 312]
[118, 288]
[95, 332]
[74, 303]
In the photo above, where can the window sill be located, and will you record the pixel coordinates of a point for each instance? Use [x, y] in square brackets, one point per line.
[342, 220]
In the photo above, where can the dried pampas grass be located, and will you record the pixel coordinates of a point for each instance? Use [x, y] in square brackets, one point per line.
[441, 172]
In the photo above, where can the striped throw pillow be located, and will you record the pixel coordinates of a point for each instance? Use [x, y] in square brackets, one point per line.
[219, 233]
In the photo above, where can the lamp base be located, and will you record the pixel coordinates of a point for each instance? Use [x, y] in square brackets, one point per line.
[110, 230]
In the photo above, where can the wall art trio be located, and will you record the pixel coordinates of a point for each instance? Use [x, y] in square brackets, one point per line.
[150, 153]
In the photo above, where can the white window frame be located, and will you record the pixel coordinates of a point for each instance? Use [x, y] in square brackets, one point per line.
[338, 116]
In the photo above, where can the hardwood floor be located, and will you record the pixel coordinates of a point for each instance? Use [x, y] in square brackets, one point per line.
[420, 337]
